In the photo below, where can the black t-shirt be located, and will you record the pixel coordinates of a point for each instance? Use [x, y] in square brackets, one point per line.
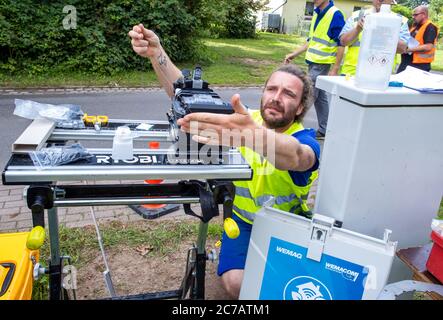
[428, 37]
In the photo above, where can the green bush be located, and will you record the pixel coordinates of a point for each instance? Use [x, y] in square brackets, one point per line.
[33, 39]
[232, 18]
[436, 15]
[404, 11]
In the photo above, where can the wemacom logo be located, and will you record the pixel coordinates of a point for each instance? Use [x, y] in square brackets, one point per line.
[346, 273]
[289, 252]
[306, 288]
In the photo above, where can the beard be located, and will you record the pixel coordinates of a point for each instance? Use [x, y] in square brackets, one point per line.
[275, 122]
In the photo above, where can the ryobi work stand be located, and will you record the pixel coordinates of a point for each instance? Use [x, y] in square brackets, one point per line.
[209, 184]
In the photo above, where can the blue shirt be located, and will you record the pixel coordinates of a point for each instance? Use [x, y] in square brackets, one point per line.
[337, 23]
[307, 137]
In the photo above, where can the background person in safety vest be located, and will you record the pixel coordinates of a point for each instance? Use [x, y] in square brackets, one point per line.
[351, 35]
[286, 176]
[323, 55]
[425, 32]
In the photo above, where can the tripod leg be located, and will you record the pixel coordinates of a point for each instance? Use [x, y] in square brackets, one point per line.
[188, 280]
[200, 269]
[55, 268]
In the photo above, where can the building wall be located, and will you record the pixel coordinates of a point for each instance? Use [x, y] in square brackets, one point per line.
[294, 19]
[293, 16]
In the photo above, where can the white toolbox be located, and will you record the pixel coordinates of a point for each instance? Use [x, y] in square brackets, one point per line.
[293, 258]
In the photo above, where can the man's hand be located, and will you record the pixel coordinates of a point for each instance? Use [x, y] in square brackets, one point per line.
[333, 71]
[144, 41]
[360, 24]
[288, 58]
[221, 129]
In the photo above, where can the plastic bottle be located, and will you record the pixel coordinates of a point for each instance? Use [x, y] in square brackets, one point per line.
[377, 49]
[122, 147]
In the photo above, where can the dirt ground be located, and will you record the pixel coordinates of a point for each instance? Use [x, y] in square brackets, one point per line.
[133, 273]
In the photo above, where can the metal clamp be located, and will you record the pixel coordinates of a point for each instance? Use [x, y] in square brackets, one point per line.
[321, 227]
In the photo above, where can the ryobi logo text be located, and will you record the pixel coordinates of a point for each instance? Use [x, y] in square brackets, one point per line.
[346, 273]
[289, 252]
[138, 159]
[146, 160]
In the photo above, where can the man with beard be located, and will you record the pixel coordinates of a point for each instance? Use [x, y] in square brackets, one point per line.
[426, 34]
[286, 173]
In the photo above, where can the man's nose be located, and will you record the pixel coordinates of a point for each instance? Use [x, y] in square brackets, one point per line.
[277, 96]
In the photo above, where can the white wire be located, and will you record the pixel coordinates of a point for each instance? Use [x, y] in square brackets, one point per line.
[109, 284]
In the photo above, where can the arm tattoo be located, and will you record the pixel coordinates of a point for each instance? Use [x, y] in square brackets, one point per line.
[162, 59]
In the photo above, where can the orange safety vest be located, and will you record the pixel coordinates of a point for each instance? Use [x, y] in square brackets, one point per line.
[426, 56]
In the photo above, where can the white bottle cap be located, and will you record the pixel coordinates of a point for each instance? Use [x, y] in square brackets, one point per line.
[122, 147]
[385, 8]
[123, 133]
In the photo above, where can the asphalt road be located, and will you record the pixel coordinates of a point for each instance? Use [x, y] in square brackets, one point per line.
[151, 105]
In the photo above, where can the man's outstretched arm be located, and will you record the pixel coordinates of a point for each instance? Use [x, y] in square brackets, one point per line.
[147, 44]
[239, 129]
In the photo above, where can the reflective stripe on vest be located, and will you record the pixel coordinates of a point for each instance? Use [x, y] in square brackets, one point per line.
[322, 49]
[251, 195]
[426, 56]
[261, 200]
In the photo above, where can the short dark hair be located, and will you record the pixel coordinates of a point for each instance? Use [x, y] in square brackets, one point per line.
[308, 90]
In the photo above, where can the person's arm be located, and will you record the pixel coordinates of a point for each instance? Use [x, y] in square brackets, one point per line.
[428, 38]
[403, 37]
[350, 36]
[420, 48]
[147, 44]
[402, 47]
[335, 29]
[239, 129]
[290, 154]
[296, 52]
[335, 69]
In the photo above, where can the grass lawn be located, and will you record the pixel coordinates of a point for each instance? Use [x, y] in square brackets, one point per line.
[440, 211]
[153, 239]
[438, 62]
[239, 62]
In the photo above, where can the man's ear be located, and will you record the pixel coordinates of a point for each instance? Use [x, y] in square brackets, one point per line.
[300, 109]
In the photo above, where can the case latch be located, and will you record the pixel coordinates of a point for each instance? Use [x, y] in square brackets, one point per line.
[321, 227]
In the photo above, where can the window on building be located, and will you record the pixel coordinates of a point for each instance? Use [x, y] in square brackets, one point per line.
[309, 9]
[357, 8]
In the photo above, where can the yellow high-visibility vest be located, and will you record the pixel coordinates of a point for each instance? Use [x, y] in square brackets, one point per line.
[269, 182]
[322, 49]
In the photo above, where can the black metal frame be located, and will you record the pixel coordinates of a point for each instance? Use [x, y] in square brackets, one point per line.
[210, 193]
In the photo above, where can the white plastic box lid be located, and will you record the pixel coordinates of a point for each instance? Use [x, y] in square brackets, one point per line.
[393, 96]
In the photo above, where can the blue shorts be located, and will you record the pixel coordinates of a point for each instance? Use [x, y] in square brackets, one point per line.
[233, 251]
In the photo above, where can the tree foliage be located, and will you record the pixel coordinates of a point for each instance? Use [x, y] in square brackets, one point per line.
[34, 37]
[404, 11]
[405, 8]
[411, 4]
[232, 18]
[436, 13]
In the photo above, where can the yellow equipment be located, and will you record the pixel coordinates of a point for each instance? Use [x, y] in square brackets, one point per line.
[231, 228]
[17, 264]
[96, 119]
